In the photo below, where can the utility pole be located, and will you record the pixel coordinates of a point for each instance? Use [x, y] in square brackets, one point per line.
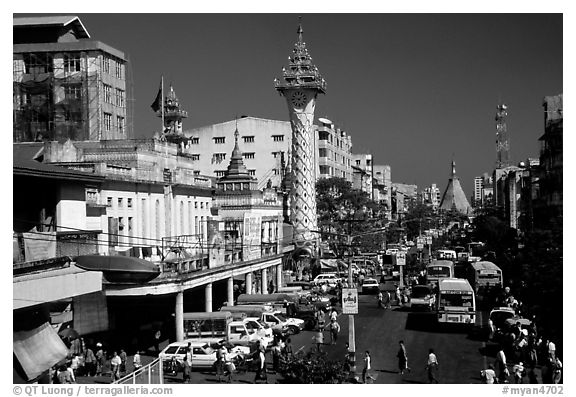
[351, 326]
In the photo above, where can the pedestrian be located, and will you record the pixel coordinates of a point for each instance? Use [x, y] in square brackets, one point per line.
[556, 371]
[402, 358]
[489, 375]
[551, 350]
[115, 363]
[367, 367]
[334, 331]
[348, 359]
[261, 370]
[276, 352]
[187, 365]
[271, 287]
[221, 362]
[432, 366]
[387, 299]
[398, 296]
[320, 318]
[90, 362]
[137, 361]
[71, 372]
[318, 338]
[288, 349]
[100, 359]
[333, 315]
[518, 371]
[380, 299]
[501, 365]
[123, 359]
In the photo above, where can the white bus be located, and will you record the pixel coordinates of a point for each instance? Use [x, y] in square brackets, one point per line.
[456, 303]
[439, 269]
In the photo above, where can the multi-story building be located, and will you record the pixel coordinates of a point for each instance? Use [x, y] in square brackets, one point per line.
[66, 86]
[403, 195]
[334, 151]
[382, 184]
[477, 195]
[548, 209]
[267, 144]
[431, 196]
[362, 173]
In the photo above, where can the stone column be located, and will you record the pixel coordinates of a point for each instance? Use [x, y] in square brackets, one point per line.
[230, 291]
[248, 283]
[264, 281]
[179, 311]
[278, 276]
[208, 297]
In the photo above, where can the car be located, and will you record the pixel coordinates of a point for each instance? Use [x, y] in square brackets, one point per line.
[326, 278]
[498, 317]
[370, 286]
[422, 297]
[203, 354]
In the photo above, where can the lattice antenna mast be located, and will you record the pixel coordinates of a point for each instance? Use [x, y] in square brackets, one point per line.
[502, 139]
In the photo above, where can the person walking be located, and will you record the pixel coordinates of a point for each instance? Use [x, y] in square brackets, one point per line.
[100, 359]
[387, 299]
[432, 366]
[288, 349]
[187, 364]
[518, 371]
[367, 367]
[556, 371]
[334, 328]
[380, 299]
[115, 363]
[261, 370]
[402, 358]
[90, 362]
[124, 359]
[318, 338]
[137, 361]
[320, 318]
[502, 367]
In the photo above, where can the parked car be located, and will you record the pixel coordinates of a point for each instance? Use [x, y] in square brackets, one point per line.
[326, 278]
[498, 317]
[203, 354]
[370, 286]
[422, 297]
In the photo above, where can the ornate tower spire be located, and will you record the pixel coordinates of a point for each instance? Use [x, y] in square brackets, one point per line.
[502, 139]
[300, 84]
[173, 116]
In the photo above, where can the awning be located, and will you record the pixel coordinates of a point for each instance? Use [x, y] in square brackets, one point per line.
[38, 349]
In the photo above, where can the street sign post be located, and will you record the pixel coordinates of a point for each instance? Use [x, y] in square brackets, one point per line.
[429, 240]
[349, 301]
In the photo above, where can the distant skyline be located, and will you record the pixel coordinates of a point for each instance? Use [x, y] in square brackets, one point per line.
[414, 90]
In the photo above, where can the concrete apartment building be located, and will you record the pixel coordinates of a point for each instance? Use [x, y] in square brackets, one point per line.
[431, 196]
[66, 85]
[382, 184]
[266, 146]
[363, 173]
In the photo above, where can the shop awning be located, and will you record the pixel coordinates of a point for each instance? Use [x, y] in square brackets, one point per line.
[38, 349]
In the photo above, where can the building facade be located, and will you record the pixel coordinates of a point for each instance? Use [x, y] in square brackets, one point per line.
[66, 86]
[431, 196]
[334, 151]
[382, 184]
[362, 166]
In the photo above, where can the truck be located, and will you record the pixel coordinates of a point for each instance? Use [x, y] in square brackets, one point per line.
[218, 326]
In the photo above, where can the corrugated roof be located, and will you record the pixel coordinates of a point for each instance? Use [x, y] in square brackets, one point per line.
[58, 20]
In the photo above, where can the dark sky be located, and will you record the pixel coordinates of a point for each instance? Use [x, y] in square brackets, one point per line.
[412, 89]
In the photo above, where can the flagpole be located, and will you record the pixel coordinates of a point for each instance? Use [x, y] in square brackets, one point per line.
[162, 103]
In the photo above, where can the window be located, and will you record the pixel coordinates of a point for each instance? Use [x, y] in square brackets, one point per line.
[120, 124]
[73, 91]
[109, 202]
[118, 70]
[276, 154]
[38, 63]
[220, 139]
[129, 203]
[92, 196]
[248, 155]
[357, 162]
[194, 140]
[276, 171]
[322, 152]
[107, 121]
[201, 205]
[71, 63]
[107, 93]
[130, 225]
[196, 204]
[196, 172]
[248, 139]
[106, 64]
[120, 95]
[278, 138]
[324, 169]
[195, 156]
[252, 172]
[219, 174]
[218, 157]
[120, 202]
[120, 224]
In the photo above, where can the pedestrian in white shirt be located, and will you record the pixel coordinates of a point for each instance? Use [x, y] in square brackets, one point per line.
[432, 366]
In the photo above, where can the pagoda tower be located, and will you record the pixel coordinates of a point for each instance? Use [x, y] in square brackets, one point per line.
[172, 116]
[300, 84]
[454, 197]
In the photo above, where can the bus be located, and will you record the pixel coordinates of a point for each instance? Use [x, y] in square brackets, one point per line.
[439, 269]
[456, 303]
[486, 280]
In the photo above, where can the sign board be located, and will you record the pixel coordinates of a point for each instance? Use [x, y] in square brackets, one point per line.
[429, 240]
[401, 258]
[419, 246]
[251, 238]
[349, 301]
[435, 233]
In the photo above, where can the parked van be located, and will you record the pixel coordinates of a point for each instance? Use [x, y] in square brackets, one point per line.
[269, 316]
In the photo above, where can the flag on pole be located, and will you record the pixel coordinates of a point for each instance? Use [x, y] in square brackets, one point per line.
[157, 104]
